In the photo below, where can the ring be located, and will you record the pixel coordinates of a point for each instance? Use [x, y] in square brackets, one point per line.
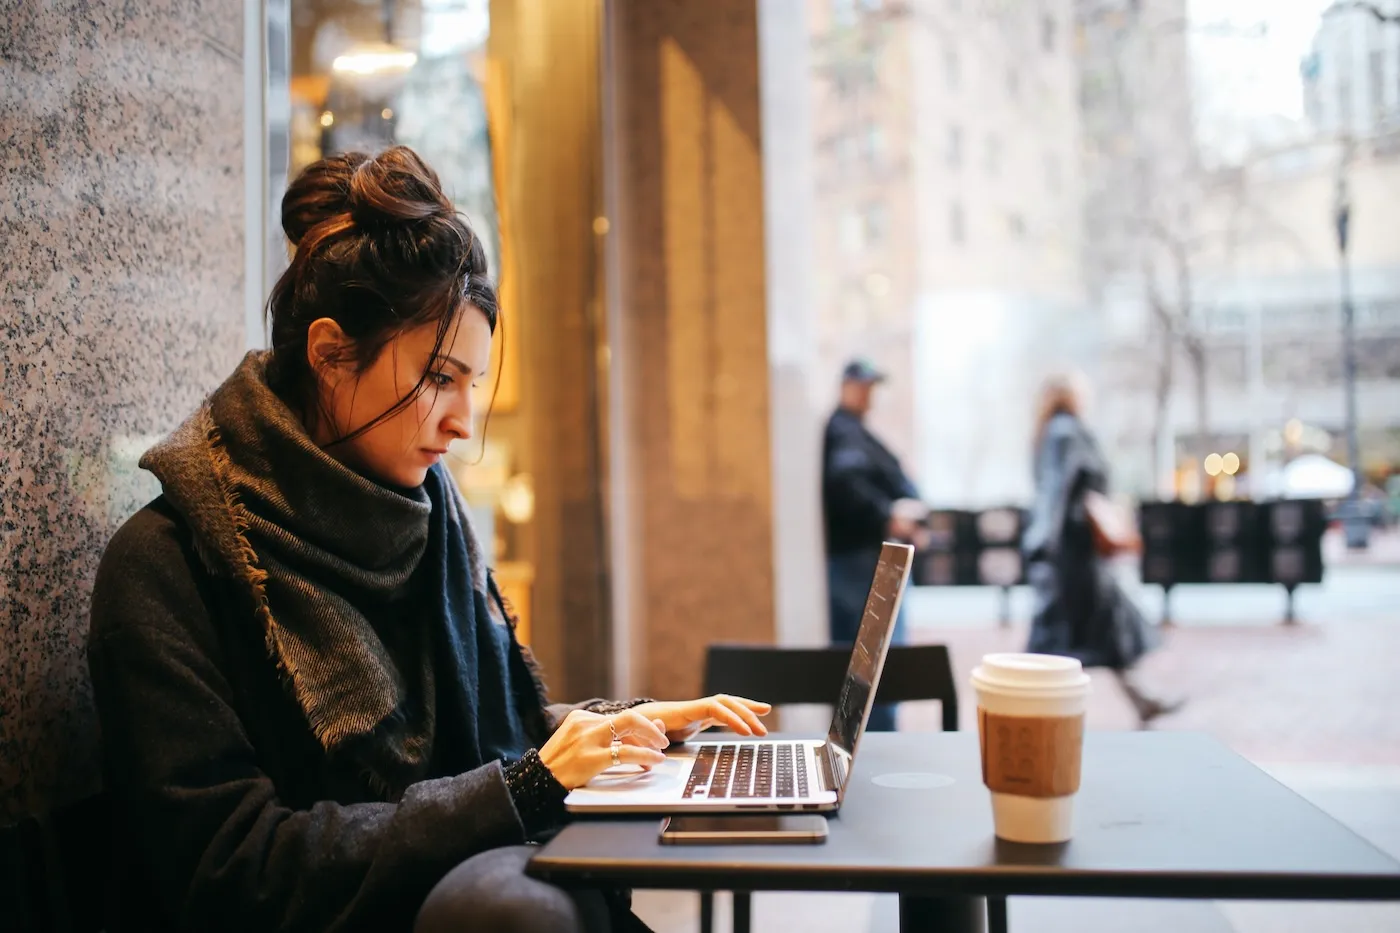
[615, 747]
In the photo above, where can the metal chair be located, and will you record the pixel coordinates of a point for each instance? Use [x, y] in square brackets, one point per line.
[814, 675]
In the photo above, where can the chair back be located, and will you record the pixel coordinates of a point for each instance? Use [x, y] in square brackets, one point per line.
[815, 675]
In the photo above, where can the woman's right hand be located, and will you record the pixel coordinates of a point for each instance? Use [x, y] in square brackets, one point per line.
[581, 748]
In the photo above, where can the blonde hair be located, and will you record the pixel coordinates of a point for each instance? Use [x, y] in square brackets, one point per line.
[1060, 393]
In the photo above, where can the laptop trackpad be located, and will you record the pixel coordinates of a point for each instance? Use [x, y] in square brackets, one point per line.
[671, 773]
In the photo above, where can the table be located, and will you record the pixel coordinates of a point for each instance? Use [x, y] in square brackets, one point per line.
[1159, 814]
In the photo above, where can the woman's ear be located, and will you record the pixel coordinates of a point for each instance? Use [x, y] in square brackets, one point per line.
[327, 350]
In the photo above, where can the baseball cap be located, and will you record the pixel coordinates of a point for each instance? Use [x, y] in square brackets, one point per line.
[861, 370]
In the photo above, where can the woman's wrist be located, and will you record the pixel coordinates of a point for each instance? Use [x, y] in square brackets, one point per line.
[608, 707]
[537, 794]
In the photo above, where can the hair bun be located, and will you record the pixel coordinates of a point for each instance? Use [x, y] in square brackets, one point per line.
[319, 193]
[395, 187]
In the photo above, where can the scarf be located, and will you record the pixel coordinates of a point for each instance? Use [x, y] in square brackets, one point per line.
[314, 543]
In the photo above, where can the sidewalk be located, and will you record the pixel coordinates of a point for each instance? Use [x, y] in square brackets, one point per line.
[1383, 549]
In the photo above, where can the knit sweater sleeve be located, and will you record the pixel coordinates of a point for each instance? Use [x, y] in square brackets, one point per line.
[205, 822]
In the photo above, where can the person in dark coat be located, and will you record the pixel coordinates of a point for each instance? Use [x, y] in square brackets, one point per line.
[1080, 610]
[315, 712]
[866, 500]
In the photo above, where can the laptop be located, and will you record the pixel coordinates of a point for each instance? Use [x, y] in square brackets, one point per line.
[715, 776]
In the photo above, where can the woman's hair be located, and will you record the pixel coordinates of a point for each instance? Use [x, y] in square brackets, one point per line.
[1061, 393]
[379, 249]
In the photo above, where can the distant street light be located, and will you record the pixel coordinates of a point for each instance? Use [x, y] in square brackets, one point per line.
[1355, 524]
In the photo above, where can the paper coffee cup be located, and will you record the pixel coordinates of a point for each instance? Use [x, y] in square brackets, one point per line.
[1030, 725]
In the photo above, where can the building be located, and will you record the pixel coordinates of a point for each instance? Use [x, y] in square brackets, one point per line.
[1351, 79]
[1253, 293]
[948, 227]
[1140, 170]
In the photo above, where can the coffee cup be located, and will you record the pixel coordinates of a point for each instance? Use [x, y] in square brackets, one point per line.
[1030, 726]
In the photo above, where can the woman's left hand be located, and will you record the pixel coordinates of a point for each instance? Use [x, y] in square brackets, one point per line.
[683, 719]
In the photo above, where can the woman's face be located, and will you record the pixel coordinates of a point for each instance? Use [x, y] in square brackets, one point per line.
[400, 450]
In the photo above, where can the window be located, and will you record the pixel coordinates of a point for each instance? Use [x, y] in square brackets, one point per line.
[957, 224]
[1377, 83]
[951, 69]
[1016, 226]
[845, 152]
[852, 232]
[877, 223]
[992, 156]
[1013, 82]
[1047, 33]
[874, 144]
[955, 147]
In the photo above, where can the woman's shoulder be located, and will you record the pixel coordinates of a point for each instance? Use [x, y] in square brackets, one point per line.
[148, 563]
[1066, 427]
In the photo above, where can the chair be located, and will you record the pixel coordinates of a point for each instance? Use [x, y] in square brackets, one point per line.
[814, 675]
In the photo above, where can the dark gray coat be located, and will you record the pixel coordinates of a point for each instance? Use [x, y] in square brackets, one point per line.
[1080, 611]
[231, 815]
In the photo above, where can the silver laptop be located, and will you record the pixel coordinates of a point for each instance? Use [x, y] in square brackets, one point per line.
[766, 774]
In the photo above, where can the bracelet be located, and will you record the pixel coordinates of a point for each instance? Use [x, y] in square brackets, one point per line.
[537, 794]
[609, 707]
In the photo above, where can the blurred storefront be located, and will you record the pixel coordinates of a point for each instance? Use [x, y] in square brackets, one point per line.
[631, 409]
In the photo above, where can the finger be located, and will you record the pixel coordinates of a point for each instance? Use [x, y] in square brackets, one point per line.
[738, 705]
[758, 706]
[648, 758]
[639, 730]
[730, 719]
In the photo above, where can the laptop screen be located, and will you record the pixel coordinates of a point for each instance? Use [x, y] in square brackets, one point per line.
[868, 654]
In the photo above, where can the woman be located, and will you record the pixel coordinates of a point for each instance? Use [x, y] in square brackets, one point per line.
[315, 713]
[1080, 610]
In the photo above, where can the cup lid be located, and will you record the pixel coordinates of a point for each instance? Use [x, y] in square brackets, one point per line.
[1011, 671]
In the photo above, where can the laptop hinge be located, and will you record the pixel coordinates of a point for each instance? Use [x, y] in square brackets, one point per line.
[824, 768]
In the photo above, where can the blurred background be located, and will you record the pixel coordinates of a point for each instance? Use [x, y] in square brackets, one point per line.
[699, 211]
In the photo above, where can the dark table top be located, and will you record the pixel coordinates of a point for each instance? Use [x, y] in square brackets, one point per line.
[1159, 814]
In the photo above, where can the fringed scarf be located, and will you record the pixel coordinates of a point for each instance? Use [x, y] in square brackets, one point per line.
[312, 542]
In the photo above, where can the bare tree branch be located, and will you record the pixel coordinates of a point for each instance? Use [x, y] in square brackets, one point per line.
[1380, 15]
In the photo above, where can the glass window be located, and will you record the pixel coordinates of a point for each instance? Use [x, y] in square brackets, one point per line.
[874, 144]
[412, 72]
[877, 223]
[1047, 32]
[852, 232]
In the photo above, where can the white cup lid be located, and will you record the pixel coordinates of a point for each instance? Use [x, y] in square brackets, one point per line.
[1030, 672]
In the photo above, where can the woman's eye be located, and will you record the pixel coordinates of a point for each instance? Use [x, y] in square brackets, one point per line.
[441, 380]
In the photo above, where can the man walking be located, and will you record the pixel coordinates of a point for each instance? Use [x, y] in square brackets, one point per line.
[866, 500]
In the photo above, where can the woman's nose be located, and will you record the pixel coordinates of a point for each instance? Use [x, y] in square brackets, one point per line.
[457, 422]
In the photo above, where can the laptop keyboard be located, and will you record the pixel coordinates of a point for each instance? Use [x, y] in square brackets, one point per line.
[748, 769]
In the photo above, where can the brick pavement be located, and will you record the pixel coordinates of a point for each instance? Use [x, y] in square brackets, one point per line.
[1312, 693]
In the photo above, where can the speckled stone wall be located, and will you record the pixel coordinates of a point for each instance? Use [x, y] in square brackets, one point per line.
[694, 332]
[121, 224]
